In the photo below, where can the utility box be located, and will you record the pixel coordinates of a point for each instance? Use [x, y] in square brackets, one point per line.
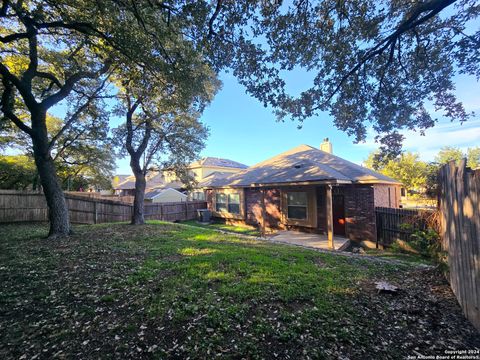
[204, 215]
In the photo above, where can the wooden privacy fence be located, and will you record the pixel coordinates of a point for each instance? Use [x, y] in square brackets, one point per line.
[21, 206]
[459, 203]
[392, 224]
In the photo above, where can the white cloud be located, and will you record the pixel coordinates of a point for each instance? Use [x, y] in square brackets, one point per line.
[443, 134]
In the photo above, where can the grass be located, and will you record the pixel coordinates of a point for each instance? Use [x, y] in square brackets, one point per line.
[170, 291]
[412, 258]
[245, 230]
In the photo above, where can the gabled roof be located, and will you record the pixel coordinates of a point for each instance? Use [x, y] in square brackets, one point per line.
[157, 192]
[218, 162]
[303, 163]
[154, 181]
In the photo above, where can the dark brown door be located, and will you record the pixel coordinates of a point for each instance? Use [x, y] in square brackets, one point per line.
[338, 215]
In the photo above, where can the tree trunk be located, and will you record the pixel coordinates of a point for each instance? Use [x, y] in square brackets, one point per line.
[57, 206]
[138, 201]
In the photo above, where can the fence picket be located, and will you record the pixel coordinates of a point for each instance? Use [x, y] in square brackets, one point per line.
[460, 210]
[23, 206]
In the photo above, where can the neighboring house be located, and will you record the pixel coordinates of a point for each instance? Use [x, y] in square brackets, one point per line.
[167, 179]
[301, 189]
[204, 167]
[155, 180]
[165, 195]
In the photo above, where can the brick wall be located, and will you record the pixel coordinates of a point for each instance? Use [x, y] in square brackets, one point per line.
[360, 212]
[387, 195]
[253, 206]
[273, 207]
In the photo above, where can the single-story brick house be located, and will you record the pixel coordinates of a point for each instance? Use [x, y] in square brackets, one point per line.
[305, 189]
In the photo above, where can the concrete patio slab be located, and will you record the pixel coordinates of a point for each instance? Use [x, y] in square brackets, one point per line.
[316, 241]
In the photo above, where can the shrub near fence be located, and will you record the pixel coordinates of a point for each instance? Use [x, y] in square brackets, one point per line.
[459, 204]
[21, 206]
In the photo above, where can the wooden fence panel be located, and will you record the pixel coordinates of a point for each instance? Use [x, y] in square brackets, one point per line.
[24, 206]
[459, 203]
[390, 224]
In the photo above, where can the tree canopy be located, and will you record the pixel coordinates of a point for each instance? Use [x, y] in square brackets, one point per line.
[407, 168]
[379, 64]
[449, 153]
[162, 128]
[420, 175]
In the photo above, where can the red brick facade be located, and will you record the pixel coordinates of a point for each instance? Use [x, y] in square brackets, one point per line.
[358, 200]
[360, 212]
[387, 195]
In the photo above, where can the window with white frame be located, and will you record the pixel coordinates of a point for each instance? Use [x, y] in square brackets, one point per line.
[297, 205]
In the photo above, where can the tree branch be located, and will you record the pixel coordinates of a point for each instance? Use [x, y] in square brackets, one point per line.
[212, 32]
[7, 107]
[70, 83]
[433, 7]
[76, 114]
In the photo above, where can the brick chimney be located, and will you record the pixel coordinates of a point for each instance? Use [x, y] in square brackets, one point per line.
[326, 146]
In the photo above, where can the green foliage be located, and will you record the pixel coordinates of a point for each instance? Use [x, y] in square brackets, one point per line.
[473, 157]
[407, 168]
[419, 175]
[83, 153]
[449, 153]
[377, 64]
[426, 242]
[162, 127]
[17, 172]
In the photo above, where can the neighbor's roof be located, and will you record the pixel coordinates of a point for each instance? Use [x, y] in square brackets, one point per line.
[301, 164]
[154, 181]
[157, 192]
[219, 162]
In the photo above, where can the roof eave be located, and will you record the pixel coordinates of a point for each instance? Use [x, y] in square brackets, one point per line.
[291, 183]
[393, 182]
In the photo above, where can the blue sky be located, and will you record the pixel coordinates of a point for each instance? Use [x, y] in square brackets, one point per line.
[241, 129]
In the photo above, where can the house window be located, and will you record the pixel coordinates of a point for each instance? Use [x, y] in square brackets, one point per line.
[228, 203]
[234, 203]
[198, 195]
[221, 202]
[297, 205]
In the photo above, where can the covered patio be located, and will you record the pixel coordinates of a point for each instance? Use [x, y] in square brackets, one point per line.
[316, 241]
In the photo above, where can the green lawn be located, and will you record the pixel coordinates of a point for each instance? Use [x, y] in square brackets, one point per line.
[246, 230]
[412, 258]
[171, 291]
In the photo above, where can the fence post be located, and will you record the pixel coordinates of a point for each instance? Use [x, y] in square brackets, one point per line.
[95, 212]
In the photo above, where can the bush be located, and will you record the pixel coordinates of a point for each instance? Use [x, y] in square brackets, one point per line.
[428, 244]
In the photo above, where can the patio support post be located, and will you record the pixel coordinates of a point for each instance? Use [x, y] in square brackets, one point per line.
[329, 213]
